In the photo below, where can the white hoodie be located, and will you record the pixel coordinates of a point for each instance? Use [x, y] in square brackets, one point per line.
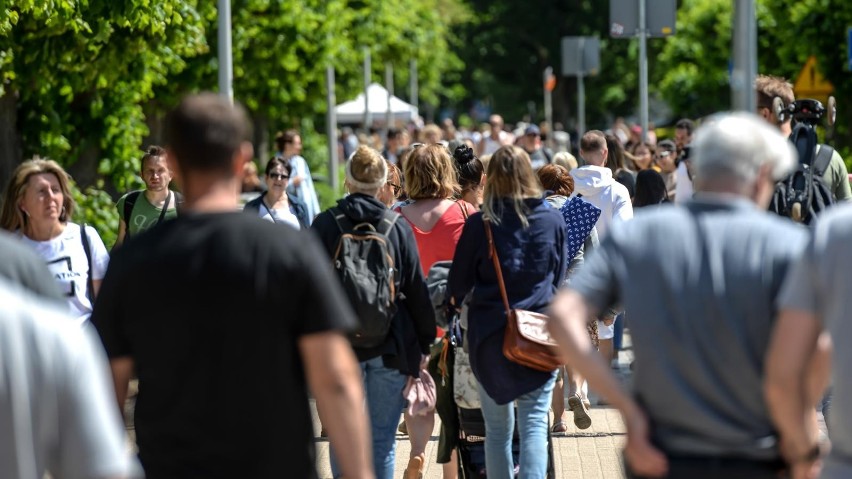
[596, 185]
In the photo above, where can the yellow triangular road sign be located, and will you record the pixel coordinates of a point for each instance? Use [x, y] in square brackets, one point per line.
[811, 84]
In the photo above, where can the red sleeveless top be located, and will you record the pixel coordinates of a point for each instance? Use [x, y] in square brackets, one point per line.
[439, 243]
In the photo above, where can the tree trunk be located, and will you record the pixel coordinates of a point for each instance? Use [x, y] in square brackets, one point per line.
[10, 141]
[85, 170]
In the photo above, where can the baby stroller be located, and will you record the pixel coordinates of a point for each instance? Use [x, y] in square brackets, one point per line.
[471, 443]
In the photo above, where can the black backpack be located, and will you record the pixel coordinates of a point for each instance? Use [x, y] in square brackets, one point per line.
[803, 194]
[364, 262]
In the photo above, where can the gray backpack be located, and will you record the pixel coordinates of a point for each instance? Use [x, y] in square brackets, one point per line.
[364, 262]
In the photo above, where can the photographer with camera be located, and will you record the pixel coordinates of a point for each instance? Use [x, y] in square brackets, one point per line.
[683, 140]
[768, 88]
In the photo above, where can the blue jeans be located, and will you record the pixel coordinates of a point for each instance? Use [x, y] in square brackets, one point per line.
[618, 338]
[383, 387]
[532, 428]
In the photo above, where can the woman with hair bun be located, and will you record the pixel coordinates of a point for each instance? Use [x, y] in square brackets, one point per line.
[471, 175]
[386, 367]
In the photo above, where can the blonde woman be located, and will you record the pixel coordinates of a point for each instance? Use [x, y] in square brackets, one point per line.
[529, 240]
[385, 368]
[37, 208]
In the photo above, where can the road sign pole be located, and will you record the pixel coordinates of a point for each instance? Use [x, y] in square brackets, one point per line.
[226, 72]
[367, 79]
[581, 91]
[548, 98]
[581, 107]
[745, 57]
[389, 88]
[643, 70]
[331, 128]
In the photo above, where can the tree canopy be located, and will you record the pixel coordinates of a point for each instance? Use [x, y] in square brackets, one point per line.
[86, 81]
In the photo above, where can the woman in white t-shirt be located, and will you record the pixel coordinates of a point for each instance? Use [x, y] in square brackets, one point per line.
[37, 207]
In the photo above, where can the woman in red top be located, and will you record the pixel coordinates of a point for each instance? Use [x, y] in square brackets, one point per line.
[431, 181]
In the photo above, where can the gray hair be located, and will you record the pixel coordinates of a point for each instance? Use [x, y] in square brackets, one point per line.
[736, 145]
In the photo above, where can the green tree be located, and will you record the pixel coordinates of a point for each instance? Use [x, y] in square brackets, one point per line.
[695, 61]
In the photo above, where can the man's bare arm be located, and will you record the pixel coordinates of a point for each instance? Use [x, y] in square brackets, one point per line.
[795, 352]
[122, 373]
[334, 377]
[569, 314]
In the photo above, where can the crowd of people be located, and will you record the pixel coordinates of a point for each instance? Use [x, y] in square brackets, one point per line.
[235, 300]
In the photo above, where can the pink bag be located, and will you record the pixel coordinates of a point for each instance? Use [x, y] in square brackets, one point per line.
[421, 394]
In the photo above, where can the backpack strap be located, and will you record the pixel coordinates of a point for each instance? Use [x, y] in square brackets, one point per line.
[346, 225]
[343, 221]
[129, 203]
[823, 159]
[85, 239]
[386, 224]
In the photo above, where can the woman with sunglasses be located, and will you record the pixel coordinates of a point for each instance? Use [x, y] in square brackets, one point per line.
[276, 204]
[389, 194]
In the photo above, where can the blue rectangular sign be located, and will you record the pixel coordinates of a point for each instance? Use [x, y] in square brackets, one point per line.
[849, 47]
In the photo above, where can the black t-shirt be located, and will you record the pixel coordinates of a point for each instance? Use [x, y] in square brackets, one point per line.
[211, 308]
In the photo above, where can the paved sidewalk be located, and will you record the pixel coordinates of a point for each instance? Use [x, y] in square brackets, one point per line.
[594, 453]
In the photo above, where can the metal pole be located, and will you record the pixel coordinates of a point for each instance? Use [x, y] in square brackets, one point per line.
[331, 128]
[643, 70]
[367, 78]
[581, 92]
[226, 72]
[745, 57]
[581, 106]
[548, 101]
[413, 85]
[389, 88]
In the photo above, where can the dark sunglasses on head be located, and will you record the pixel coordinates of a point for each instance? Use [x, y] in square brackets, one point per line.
[276, 176]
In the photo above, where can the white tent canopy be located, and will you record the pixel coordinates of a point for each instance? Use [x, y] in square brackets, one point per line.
[353, 111]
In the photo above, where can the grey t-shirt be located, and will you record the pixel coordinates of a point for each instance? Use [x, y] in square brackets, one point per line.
[21, 265]
[57, 406]
[700, 282]
[819, 284]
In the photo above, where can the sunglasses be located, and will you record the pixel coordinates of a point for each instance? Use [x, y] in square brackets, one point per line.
[396, 189]
[276, 176]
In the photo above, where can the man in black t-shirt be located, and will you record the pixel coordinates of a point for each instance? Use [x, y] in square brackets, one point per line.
[227, 321]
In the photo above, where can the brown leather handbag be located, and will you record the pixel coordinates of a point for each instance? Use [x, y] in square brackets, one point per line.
[527, 340]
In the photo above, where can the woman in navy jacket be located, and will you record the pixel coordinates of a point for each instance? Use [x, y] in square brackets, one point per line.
[529, 237]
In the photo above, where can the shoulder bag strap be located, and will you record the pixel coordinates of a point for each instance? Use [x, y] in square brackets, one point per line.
[463, 209]
[85, 239]
[492, 251]
[165, 208]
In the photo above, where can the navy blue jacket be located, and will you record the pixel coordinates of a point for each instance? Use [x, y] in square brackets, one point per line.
[297, 207]
[533, 263]
[413, 327]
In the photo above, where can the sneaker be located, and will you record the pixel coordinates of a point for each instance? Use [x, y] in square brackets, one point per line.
[581, 414]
